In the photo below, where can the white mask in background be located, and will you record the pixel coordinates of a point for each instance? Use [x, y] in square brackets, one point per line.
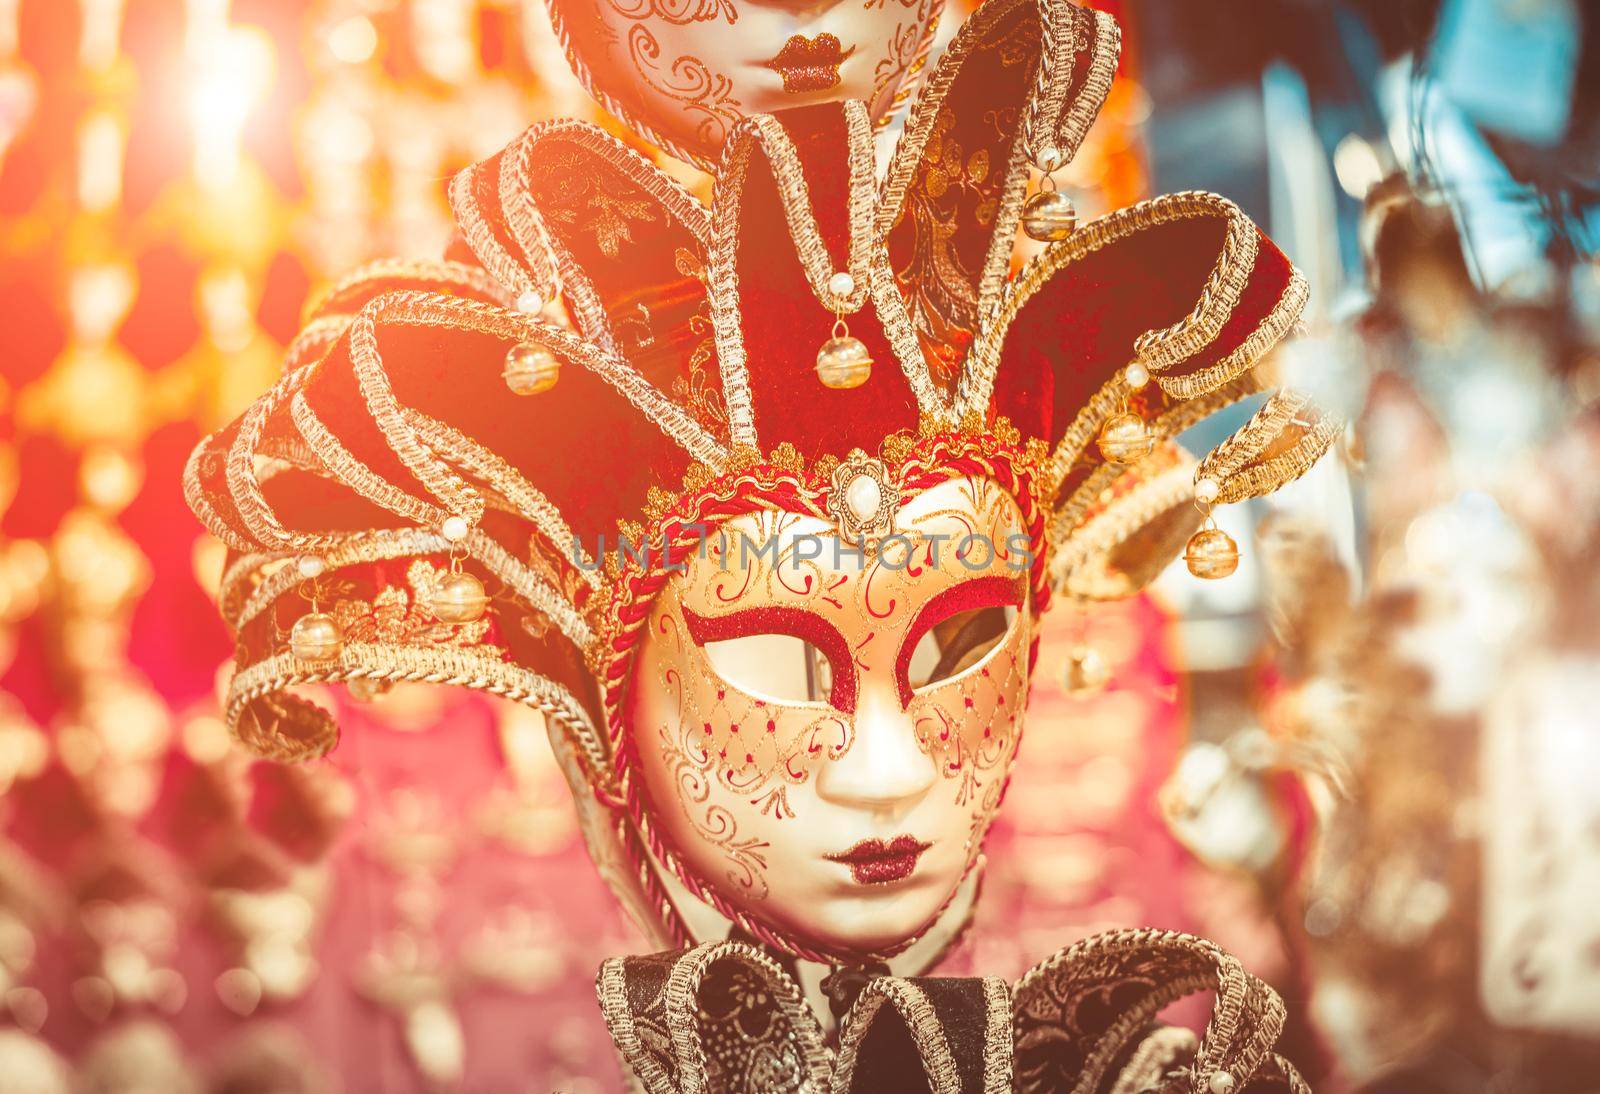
[684, 72]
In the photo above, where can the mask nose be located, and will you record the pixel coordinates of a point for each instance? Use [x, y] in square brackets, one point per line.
[884, 771]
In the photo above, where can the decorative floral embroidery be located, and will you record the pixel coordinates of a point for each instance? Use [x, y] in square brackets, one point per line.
[953, 192]
[582, 202]
[399, 618]
[701, 389]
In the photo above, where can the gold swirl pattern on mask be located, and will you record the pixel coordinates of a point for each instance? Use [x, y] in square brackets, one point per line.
[703, 92]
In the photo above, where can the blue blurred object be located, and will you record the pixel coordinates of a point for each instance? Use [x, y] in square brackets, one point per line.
[1510, 65]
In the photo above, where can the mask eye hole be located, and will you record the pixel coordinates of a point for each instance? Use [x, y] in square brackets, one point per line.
[957, 643]
[779, 667]
[955, 631]
[787, 655]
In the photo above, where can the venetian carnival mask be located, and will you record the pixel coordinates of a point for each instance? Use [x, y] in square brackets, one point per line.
[788, 700]
[684, 72]
[827, 732]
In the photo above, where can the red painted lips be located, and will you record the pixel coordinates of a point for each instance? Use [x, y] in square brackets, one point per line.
[875, 862]
[809, 64]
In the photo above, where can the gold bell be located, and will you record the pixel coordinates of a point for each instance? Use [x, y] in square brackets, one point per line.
[1087, 672]
[460, 598]
[530, 369]
[315, 637]
[1211, 554]
[843, 363]
[1125, 438]
[1049, 216]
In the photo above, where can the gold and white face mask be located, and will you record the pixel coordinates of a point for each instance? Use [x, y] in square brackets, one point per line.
[824, 734]
[684, 72]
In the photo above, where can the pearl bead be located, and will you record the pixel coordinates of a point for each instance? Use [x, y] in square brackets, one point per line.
[1049, 216]
[530, 369]
[454, 529]
[1049, 158]
[1206, 490]
[315, 637]
[1211, 554]
[460, 598]
[841, 284]
[843, 363]
[1136, 375]
[1221, 1083]
[1125, 439]
[530, 302]
[310, 566]
[863, 497]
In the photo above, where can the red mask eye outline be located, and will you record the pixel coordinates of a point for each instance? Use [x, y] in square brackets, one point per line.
[982, 592]
[794, 622]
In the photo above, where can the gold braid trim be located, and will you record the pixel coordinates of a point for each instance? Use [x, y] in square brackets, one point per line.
[239, 579]
[1283, 318]
[1156, 1055]
[867, 261]
[314, 341]
[1052, 80]
[1100, 534]
[194, 494]
[1101, 405]
[393, 664]
[584, 300]
[336, 300]
[481, 238]
[456, 493]
[1240, 999]
[240, 469]
[658, 1019]
[909, 153]
[1069, 517]
[345, 467]
[1177, 418]
[521, 217]
[611, 988]
[374, 546]
[1097, 1063]
[914, 71]
[902, 336]
[525, 499]
[1282, 469]
[433, 310]
[999, 1049]
[683, 1011]
[1160, 348]
[611, 992]
[310, 345]
[386, 544]
[532, 589]
[920, 1019]
[1268, 423]
[1180, 416]
[1051, 120]
[1107, 50]
[1283, 1069]
[1163, 348]
[722, 274]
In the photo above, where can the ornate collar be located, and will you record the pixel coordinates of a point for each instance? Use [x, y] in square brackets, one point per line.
[725, 1016]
